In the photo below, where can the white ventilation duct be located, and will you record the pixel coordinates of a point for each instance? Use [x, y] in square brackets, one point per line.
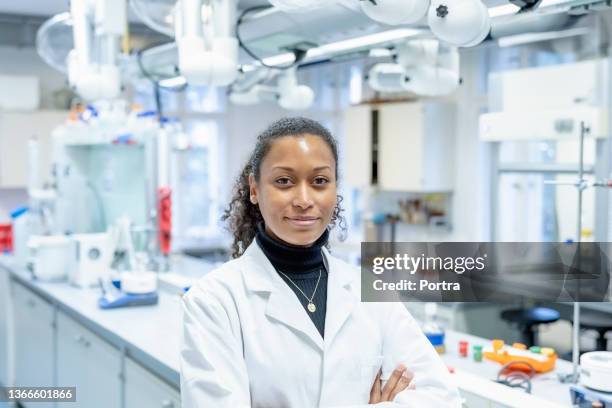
[395, 12]
[270, 32]
[505, 26]
[299, 6]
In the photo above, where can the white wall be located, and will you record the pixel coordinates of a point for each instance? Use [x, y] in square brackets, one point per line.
[244, 123]
[25, 61]
[10, 199]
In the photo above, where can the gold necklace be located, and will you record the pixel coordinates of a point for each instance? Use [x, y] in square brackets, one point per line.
[311, 306]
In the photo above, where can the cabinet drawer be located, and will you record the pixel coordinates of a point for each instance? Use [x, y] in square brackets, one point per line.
[144, 389]
[34, 340]
[89, 363]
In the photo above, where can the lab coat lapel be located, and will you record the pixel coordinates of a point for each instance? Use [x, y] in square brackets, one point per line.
[283, 305]
[340, 300]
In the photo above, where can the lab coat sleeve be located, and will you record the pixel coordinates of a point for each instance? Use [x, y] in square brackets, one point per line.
[405, 342]
[213, 371]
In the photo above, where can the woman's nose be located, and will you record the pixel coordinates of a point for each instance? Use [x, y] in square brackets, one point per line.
[302, 197]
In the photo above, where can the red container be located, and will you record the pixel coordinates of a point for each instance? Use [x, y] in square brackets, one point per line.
[6, 238]
[463, 348]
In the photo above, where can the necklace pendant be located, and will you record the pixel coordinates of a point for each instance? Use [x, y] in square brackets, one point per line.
[311, 307]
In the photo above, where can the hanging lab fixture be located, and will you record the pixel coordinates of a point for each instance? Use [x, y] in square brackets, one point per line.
[293, 96]
[287, 92]
[97, 27]
[425, 67]
[207, 48]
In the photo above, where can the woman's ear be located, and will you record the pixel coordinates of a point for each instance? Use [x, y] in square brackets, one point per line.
[252, 189]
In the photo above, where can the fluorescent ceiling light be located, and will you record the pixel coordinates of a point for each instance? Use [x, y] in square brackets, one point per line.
[362, 42]
[173, 82]
[380, 53]
[352, 44]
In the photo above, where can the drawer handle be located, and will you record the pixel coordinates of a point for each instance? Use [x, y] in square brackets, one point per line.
[167, 404]
[82, 340]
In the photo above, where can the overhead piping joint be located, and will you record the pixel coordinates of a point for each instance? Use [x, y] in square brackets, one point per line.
[96, 26]
[207, 56]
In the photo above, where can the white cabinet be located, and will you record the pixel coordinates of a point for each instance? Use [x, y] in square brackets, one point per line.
[34, 341]
[404, 146]
[16, 129]
[143, 389]
[53, 349]
[358, 146]
[6, 334]
[88, 363]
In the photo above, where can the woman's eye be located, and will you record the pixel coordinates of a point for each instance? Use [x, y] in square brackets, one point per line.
[283, 180]
[321, 180]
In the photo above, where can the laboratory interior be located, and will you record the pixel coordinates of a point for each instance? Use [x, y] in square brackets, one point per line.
[125, 123]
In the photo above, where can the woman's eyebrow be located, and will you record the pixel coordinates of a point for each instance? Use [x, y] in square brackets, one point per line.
[292, 169]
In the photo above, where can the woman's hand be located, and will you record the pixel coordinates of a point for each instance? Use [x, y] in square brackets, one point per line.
[400, 380]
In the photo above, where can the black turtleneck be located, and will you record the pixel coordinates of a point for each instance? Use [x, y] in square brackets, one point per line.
[302, 266]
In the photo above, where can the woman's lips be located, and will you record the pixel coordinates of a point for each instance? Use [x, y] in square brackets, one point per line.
[302, 221]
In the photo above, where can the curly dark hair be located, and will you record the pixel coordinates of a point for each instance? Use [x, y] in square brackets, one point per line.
[242, 215]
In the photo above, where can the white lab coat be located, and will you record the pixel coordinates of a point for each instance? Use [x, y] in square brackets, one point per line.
[249, 342]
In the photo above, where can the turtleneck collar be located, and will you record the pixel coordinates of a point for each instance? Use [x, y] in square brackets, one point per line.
[291, 259]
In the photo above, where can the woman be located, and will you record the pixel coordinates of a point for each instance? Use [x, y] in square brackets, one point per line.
[282, 325]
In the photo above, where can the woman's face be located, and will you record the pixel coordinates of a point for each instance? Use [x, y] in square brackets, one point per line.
[296, 191]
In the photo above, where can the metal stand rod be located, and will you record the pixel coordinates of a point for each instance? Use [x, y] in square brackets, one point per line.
[581, 186]
[576, 328]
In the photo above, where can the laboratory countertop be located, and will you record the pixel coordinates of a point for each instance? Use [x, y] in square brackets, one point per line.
[477, 377]
[151, 335]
